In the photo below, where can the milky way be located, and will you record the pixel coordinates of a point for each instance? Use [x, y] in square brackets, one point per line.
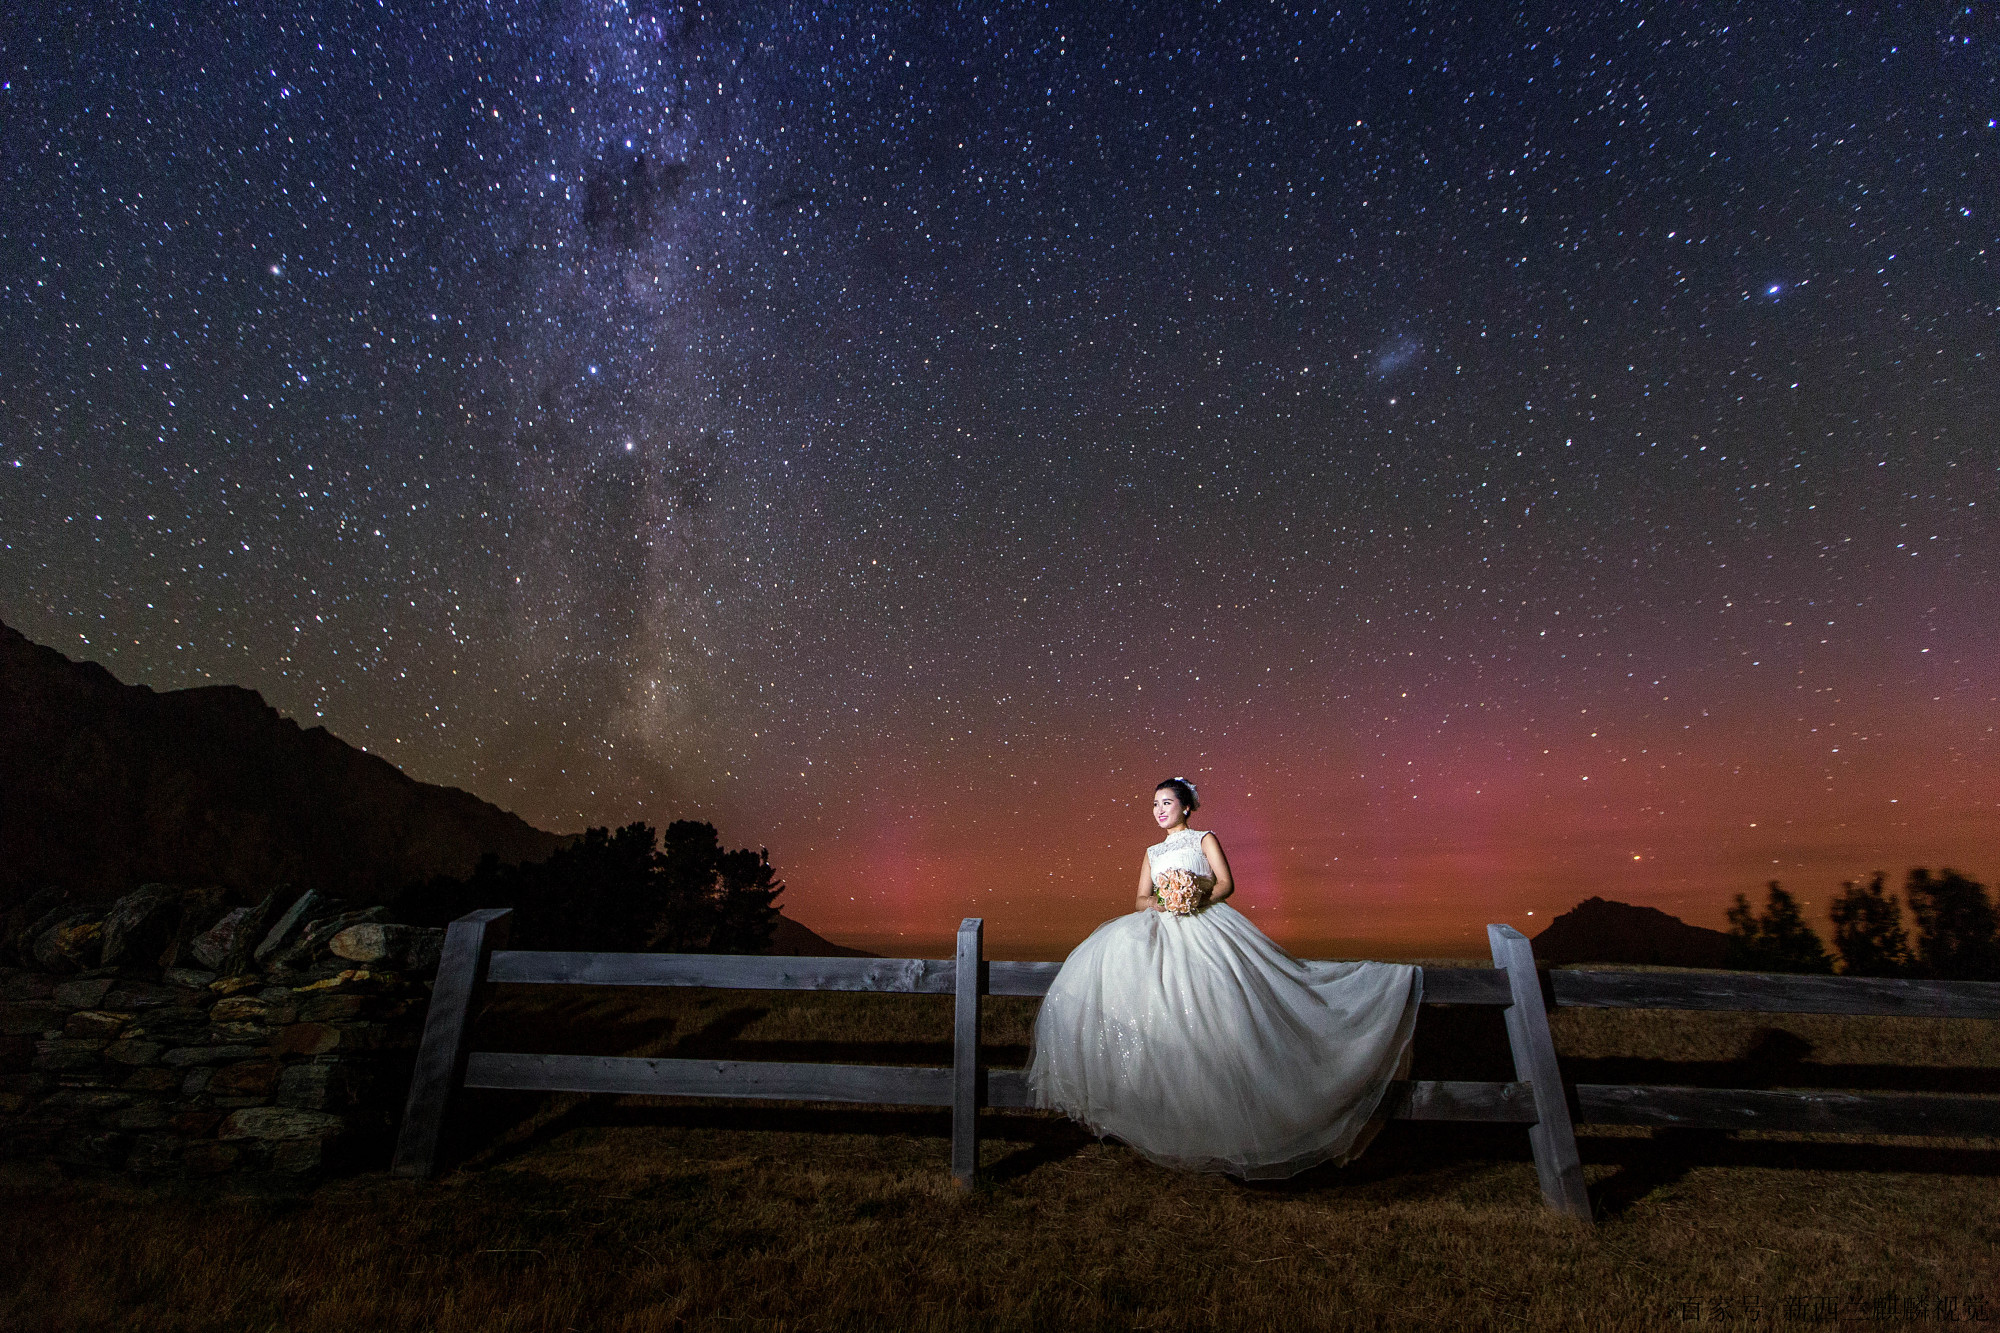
[1503, 457]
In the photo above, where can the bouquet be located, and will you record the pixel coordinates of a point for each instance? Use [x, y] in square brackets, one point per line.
[1178, 891]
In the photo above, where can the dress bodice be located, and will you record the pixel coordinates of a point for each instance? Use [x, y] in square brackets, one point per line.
[1181, 851]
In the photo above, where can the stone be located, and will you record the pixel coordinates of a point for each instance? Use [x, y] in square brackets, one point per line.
[215, 946]
[153, 1154]
[237, 1033]
[196, 1082]
[200, 909]
[138, 995]
[280, 1122]
[387, 945]
[103, 1076]
[245, 1080]
[140, 925]
[85, 994]
[312, 941]
[64, 1055]
[43, 909]
[151, 1078]
[26, 987]
[69, 945]
[13, 1103]
[143, 1115]
[304, 910]
[88, 1148]
[239, 1009]
[334, 1008]
[95, 1023]
[133, 1052]
[31, 1019]
[195, 1124]
[299, 1155]
[86, 1100]
[175, 1027]
[304, 1039]
[27, 1084]
[352, 976]
[208, 1158]
[320, 1087]
[191, 977]
[206, 1055]
[231, 985]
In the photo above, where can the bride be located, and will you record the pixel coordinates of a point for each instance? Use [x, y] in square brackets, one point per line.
[1181, 1029]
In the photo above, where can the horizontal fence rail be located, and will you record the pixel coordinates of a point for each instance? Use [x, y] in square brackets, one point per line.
[1742, 991]
[1538, 1099]
[1794, 1111]
[907, 976]
[887, 1085]
[1765, 993]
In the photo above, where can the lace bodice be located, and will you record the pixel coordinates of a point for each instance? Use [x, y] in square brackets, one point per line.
[1181, 851]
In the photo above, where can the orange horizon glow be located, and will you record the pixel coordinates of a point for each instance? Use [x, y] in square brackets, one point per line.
[1410, 857]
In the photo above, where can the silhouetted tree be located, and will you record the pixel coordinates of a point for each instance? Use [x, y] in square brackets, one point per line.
[1868, 931]
[1774, 940]
[600, 892]
[621, 891]
[1955, 926]
[715, 901]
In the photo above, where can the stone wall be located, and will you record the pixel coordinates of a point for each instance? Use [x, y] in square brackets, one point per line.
[174, 1034]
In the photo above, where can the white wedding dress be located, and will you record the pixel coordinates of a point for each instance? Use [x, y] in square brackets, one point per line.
[1204, 1046]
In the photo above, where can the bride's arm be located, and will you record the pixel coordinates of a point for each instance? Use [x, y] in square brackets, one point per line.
[1225, 883]
[1145, 884]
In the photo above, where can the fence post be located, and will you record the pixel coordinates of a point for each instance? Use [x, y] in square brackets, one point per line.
[1552, 1135]
[468, 944]
[965, 1055]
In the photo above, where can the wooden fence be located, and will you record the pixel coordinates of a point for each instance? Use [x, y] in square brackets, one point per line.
[1538, 1099]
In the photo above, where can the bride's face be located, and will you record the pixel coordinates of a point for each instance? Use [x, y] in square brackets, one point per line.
[1167, 808]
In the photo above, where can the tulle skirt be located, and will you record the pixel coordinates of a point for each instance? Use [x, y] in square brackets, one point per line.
[1204, 1046]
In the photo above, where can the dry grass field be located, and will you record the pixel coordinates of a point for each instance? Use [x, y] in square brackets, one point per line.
[628, 1214]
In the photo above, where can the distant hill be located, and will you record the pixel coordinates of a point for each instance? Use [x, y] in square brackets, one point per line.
[792, 940]
[104, 786]
[1598, 930]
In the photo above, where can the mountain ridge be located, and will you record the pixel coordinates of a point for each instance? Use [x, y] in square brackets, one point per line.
[106, 785]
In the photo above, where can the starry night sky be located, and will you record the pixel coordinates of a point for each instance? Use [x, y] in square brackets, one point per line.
[1502, 455]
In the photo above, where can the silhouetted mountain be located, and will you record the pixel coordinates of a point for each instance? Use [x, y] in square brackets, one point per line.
[1598, 930]
[792, 940]
[105, 786]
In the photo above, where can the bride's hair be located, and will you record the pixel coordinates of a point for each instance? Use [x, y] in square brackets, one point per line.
[1183, 790]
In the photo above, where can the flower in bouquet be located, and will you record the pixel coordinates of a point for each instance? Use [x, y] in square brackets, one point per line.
[1178, 891]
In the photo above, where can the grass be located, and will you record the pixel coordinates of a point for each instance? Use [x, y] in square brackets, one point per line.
[625, 1214]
